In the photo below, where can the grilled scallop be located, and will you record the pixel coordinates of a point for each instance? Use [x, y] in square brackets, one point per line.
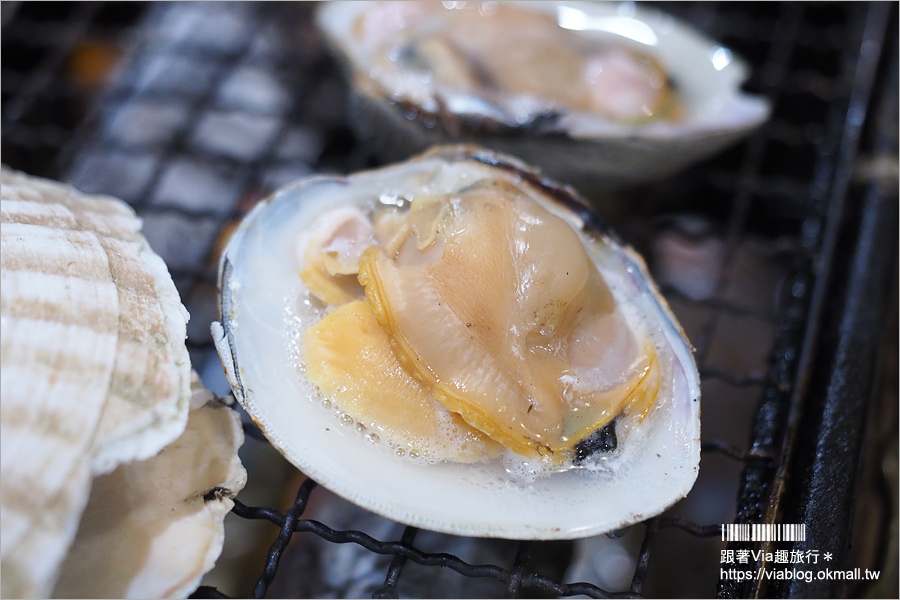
[96, 392]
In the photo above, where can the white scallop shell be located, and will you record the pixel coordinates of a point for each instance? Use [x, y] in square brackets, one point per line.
[153, 528]
[400, 118]
[263, 315]
[95, 369]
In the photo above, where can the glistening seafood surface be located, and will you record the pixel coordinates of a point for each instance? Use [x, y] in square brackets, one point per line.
[458, 308]
[596, 94]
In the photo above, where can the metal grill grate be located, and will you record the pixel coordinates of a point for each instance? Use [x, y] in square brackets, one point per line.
[765, 254]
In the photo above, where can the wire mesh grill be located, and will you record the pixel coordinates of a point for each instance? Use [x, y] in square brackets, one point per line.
[200, 110]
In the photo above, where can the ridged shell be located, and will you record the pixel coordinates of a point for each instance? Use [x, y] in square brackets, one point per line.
[95, 369]
[263, 317]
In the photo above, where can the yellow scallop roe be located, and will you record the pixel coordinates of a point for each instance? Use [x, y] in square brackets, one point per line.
[350, 358]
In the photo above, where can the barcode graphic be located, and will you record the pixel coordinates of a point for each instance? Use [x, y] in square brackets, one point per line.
[764, 532]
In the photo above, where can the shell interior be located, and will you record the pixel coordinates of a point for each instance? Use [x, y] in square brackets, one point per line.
[267, 310]
[707, 77]
[398, 107]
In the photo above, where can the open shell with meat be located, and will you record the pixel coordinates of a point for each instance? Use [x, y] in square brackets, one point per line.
[456, 343]
[596, 94]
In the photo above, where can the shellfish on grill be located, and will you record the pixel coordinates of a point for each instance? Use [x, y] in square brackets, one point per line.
[455, 343]
[96, 382]
[154, 527]
[597, 94]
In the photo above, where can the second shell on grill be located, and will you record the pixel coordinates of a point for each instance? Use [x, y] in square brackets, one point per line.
[96, 392]
[95, 368]
[597, 94]
[453, 342]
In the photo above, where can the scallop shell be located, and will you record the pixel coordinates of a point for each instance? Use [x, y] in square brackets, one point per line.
[153, 528]
[95, 369]
[401, 113]
[266, 308]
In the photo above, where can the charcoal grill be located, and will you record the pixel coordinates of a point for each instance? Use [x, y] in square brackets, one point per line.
[192, 112]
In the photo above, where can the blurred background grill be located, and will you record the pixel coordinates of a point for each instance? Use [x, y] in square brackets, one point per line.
[778, 257]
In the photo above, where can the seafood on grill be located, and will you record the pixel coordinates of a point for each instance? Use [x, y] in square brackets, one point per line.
[450, 323]
[597, 94]
[521, 64]
[153, 528]
[96, 373]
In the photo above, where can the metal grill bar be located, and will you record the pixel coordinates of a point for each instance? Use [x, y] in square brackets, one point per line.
[774, 70]
[515, 579]
[389, 589]
[787, 400]
[830, 464]
[643, 563]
